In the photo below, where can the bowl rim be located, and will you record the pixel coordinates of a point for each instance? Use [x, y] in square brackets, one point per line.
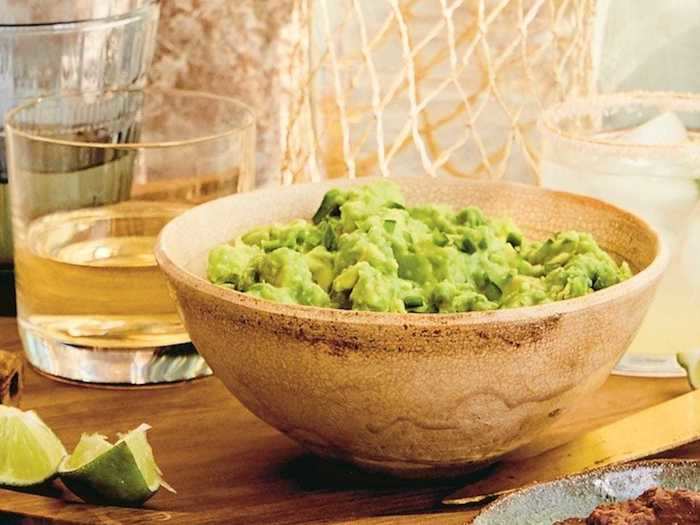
[353, 317]
[505, 498]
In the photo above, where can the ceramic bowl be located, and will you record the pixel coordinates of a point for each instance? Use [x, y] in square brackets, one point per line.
[412, 395]
[576, 496]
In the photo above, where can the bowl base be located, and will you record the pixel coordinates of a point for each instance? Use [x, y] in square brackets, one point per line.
[403, 469]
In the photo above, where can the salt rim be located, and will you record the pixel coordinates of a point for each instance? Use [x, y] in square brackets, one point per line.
[551, 130]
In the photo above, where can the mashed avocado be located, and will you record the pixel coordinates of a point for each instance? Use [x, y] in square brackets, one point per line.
[365, 250]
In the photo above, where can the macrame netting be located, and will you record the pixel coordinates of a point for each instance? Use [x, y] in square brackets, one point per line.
[359, 87]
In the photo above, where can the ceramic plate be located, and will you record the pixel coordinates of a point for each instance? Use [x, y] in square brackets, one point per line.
[577, 496]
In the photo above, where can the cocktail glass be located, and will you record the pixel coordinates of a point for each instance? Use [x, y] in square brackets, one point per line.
[640, 151]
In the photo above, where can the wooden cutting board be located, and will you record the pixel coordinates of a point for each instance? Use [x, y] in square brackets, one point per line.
[231, 468]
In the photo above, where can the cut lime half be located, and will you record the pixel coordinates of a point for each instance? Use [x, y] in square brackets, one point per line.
[29, 450]
[124, 473]
[690, 361]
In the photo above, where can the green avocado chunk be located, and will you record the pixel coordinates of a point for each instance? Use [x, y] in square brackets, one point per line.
[365, 249]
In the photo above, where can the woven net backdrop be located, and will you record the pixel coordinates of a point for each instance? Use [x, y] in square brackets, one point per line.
[359, 87]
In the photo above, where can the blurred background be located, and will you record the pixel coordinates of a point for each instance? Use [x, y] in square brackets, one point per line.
[333, 81]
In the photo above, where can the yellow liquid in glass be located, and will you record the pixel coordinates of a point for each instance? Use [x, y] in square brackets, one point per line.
[89, 277]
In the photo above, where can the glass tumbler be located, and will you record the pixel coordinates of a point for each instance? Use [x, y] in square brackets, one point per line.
[66, 46]
[94, 178]
[640, 151]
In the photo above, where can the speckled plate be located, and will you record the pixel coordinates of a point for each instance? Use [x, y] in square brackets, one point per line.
[577, 496]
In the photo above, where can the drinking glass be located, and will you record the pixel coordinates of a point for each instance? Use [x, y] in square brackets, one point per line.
[93, 179]
[640, 151]
[66, 46]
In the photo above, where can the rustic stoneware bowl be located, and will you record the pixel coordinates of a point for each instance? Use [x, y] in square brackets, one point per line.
[408, 394]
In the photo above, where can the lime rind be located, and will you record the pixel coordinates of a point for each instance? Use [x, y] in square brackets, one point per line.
[690, 361]
[112, 478]
[30, 452]
[124, 473]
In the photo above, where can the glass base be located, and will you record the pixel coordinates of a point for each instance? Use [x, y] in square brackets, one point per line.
[122, 366]
[648, 365]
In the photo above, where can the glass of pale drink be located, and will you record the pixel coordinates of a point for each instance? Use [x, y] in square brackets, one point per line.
[65, 46]
[640, 151]
[93, 179]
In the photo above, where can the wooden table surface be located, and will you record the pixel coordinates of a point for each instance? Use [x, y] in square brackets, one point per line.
[231, 468]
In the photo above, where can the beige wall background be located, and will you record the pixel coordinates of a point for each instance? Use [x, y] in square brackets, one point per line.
[229, 48]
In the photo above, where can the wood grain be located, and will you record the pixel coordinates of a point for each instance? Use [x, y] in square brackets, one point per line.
[231, 468]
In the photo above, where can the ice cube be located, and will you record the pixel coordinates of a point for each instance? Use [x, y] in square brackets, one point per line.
[664, 129]
[665, 194]
[666, 198]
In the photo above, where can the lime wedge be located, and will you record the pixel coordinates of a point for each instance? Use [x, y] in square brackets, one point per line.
[29, 450]
[124, 473]
[690, 361]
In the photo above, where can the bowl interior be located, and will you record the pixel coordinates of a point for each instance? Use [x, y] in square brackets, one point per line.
[539, 212]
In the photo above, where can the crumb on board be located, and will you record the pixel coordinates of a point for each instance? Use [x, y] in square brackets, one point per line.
[10, 378]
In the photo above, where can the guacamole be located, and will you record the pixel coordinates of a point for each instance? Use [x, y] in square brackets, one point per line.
[366, 250]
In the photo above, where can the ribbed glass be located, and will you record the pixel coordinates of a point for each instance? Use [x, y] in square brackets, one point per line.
[69, 46]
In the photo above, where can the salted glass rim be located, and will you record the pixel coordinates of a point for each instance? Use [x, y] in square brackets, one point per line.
[548, 122]
[58, 24]
[247, 122]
